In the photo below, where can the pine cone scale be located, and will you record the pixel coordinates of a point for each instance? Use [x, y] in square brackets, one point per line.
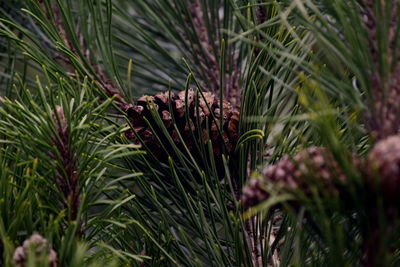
[201, 107]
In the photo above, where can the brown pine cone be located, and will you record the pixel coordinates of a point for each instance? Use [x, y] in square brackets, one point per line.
[210, 104]
[384, 167]
[313, 165]
[40, 246]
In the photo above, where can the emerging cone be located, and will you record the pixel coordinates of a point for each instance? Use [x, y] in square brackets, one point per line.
[202, 123]
[254, 193]
[316, 165]
[384, 165]
[40, 247]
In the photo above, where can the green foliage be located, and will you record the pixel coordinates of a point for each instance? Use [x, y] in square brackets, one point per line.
[300, 72]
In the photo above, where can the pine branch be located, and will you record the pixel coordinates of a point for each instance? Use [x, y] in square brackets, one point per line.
[384, 76]
[67, 175]
[105, 84]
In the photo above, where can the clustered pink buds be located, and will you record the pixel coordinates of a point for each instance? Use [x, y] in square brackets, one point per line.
[41, 248]
[384, 168]
[254, 192]
[317, 166]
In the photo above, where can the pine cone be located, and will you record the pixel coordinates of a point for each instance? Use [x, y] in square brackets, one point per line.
[314, 163]
[197, 116]
[254, 193]
[384, 165]
[282, 172]
[320, 165]
[40, 246]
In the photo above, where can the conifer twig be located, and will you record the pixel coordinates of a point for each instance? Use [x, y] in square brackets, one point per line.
[67, 174]
[104, 83]
[209, 62]
[384, 119]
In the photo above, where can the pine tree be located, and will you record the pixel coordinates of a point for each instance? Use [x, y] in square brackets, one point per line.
[199, 133]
